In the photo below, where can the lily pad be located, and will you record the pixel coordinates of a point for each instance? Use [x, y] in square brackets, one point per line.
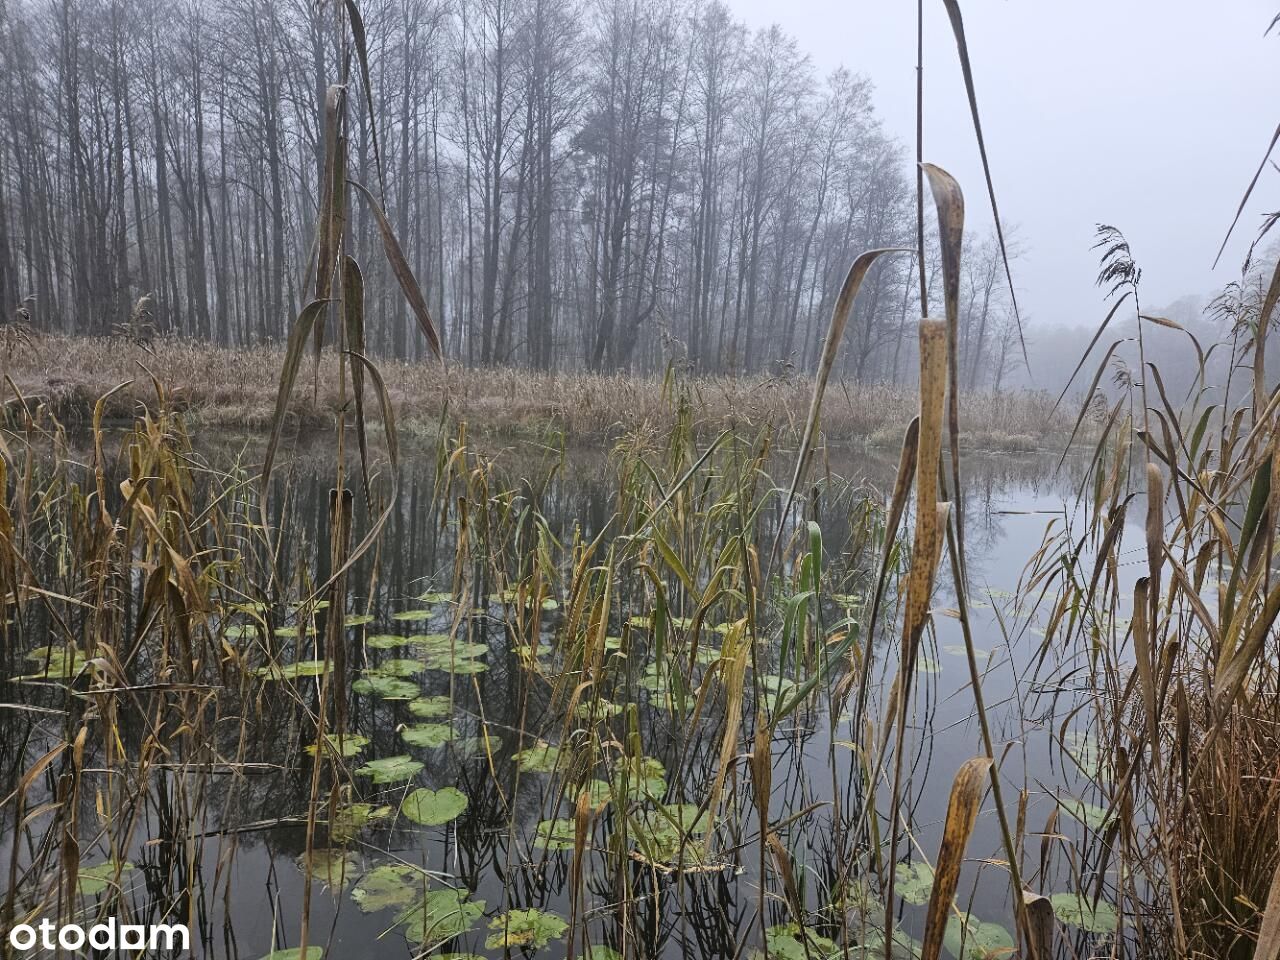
[436, 596]
[333, 867]
[1080, 911]
[413, 615]
[385, 641]
[401, 667]
[441, 915]
[350, 745]
[977, 939]
[350, 818]
[388, 688]
[1092, 816]
[555, 836]
[55, 663]
[428, 707]
[541, 758]
[96, 879]
[392, 885]
[914, 882]
[391, 769]
[431, 808]
[427, 735]
[358, 619]
[291, 671]
[525, 928]
[295, 953]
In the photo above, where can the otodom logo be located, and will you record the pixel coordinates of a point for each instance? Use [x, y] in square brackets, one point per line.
[173, 938]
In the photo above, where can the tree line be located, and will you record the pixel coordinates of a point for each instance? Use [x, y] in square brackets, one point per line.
[598, 184]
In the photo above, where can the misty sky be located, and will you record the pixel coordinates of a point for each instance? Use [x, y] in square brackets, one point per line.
[1151, 115]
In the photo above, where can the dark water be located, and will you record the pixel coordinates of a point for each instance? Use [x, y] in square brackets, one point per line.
[236, 873]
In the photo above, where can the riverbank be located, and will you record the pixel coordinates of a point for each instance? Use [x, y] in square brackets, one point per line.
[236, 388]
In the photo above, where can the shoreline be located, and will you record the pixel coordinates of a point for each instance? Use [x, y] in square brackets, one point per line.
[235, 389]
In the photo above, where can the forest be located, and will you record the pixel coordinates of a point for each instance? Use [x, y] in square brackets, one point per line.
[577, 184]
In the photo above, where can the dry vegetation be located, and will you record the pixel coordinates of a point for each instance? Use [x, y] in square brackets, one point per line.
[237, 388]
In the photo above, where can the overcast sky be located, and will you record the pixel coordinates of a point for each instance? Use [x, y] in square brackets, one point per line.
[1151, 115]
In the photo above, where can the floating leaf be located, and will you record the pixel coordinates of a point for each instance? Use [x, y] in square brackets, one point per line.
[431, 808]
[1079, 911]
[540, 758]
[427, 707]
[291, 671]
[555, 835]
[391, 769]
[358, 619]
[525, 928]
[385, 641]
[1092, 816]
[349, 819]
[388, 688]
[332, 867]
[427, 735]
[928, 665]
[392, 885]
[56, 663]
[412, 615]
[441, 915]
[94, 880]
[294, 953]
[789, 941]
[438, 596]
[981, 940]
[913, 882]
[351, 744]
[401, 667]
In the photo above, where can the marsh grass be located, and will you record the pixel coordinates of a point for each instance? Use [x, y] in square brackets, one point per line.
[235, 389]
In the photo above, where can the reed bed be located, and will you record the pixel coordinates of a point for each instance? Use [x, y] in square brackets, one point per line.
[235, 388]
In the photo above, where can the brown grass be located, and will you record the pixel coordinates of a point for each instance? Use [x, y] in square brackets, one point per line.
[226, 387]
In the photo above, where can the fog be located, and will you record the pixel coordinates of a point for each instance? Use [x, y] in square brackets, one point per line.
[1149, 115]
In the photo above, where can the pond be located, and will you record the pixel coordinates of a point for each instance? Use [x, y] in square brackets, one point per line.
[553, 706]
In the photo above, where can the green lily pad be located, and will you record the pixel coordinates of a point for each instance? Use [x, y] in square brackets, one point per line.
[385, 641]
[928, 665]
[1092, 816]
[96, 879]
[914, 882]
[350, 745]
[1080, 911]
[441, 915]
[401, 667]
[429, 707]
[977, 939]
[392, 885]
[525, 928]
[388, 688]
[333, 867]
[294, 953]
[413, 615]
[437, 596]
[427, 735]
[391, 769]
[788, 941]
[348, 820]
[540, 758]
[555, 836]
[291, 671]
[431, 808]
[55, 663]
[358, 619]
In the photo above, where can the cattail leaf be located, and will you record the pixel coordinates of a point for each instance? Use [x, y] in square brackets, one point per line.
[353, 318]
[962, 811]
[830, 349]
[298, 337]
[404, 273]
[962, 46]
